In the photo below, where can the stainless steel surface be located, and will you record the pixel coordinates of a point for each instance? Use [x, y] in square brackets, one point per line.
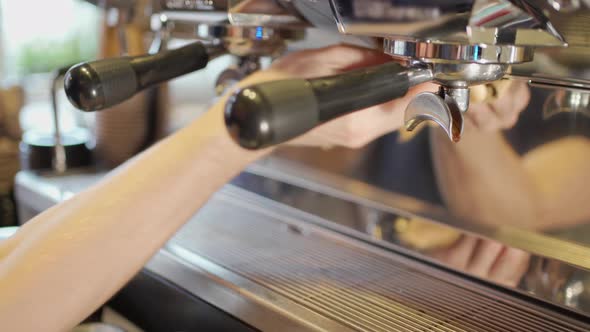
[460, 75]
[429, 52]
[548, 276]
[343, 280]
[512, 22]
[201, 5]
[550, 71]
[320, 193]
[243, 298]
[264, 13]
[349, 189]
[569, 101]
[59, 158]
[491, 22]
[161, 27]
[460, 95]
[214, 29]
[213, 26]
[246, 40]
[573, 82]
[113, 3]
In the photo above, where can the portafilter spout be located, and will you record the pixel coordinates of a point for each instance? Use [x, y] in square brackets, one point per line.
[447, 106]
[455, 67]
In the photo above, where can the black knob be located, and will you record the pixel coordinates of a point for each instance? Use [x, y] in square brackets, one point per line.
[271, 112]
[97, 85]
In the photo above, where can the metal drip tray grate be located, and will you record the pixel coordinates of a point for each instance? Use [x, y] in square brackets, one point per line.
[349, 283]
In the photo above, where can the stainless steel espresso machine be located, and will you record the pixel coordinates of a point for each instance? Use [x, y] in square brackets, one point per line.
[401, 240]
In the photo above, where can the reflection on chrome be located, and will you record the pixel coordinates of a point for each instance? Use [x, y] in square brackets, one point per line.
[517, 260]
[574, 101]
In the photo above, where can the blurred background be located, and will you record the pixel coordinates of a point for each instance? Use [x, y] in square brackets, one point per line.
[55, 33]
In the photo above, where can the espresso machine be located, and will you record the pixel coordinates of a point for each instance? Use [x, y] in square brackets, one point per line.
[268, 253]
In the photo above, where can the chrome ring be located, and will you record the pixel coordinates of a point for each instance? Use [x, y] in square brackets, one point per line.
[264, 33]
[214, 26]
[436, 52]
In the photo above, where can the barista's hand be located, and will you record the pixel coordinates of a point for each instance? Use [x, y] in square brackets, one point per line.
[353, 130]
[501, 111]
[485, 259]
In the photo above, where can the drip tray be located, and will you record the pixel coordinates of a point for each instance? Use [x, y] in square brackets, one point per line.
[279, 261]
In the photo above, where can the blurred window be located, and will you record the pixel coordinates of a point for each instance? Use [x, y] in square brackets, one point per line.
[39, 36]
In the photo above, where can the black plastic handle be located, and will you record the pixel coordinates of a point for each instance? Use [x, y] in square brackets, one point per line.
[97, 85]
[275, 112]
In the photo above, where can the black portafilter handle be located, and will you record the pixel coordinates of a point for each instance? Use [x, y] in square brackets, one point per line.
[274, 112]
[96, 85]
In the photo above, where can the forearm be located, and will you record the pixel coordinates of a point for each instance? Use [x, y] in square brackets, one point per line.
[94, 243]
[483, 180]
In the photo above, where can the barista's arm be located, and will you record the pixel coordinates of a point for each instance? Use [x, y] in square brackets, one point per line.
[482, 179]
[66, 262]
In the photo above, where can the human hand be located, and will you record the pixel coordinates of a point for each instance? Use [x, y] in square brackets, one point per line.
[483, 258]
[486, 259]
[355, 129]
[497, 106]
